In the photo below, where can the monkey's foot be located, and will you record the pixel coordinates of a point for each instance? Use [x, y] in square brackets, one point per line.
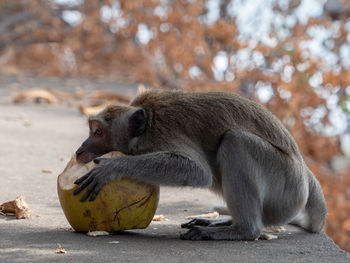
[207, 222]
[220, 233]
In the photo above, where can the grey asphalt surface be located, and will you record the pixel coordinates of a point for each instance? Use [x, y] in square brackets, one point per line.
[37, 137]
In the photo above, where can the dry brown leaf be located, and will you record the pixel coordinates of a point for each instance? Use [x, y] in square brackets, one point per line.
[60, 250]
[94, 110]
[158, 218]
[60, 94]
[109, 95]
[38, 94]
[17, 207]
[209, 215]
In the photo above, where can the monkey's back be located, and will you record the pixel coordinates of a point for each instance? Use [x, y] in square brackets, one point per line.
[208, 115]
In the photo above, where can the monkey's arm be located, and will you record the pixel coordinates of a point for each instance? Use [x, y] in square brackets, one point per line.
[160, 168]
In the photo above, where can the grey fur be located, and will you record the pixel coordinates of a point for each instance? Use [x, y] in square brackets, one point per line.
[222, 141]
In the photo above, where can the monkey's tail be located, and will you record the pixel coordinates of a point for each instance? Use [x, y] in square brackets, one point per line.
[313, 217]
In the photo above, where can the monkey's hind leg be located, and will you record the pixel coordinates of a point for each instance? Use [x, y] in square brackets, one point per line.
[241, 170]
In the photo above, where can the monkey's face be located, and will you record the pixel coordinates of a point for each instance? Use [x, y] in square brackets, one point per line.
[112, 130]
[97, 144]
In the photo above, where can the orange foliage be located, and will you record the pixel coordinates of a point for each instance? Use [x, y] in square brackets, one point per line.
[337, 193]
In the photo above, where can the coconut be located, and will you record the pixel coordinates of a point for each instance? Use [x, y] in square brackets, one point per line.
[120, 205]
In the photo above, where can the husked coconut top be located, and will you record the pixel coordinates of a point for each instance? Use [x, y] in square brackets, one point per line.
[74, 170]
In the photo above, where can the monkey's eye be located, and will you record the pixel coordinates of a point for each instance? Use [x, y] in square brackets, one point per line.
[98, 132]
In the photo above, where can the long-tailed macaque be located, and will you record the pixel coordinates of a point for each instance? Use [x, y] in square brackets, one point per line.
[221, 141]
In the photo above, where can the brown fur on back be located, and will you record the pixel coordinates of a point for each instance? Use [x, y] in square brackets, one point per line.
[208, 115]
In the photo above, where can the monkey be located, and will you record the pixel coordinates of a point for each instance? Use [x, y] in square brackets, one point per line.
[232, 145]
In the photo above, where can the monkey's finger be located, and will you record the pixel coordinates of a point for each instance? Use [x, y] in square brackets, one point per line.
[95, 192]
[198, 221]
[185, 225]
[84, 184]
[189, 223]
[81, 179]
[88, 191]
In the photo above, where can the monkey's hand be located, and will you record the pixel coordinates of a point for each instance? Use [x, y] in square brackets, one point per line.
[103, 173]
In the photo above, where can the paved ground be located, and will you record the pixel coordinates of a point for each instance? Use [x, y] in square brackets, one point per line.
[55, 132]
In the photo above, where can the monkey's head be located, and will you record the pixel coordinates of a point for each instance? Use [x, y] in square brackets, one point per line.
[112, 130]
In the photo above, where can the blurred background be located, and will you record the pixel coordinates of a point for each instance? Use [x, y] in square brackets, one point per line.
[293, 56]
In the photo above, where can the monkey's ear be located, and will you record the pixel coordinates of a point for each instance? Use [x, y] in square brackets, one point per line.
[137, 123]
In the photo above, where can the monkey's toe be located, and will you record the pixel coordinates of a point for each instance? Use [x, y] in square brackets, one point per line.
[190, 223]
